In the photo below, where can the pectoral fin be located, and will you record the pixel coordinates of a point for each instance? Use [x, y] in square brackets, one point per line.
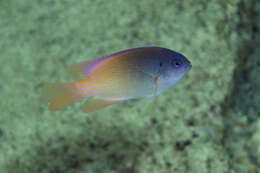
[156, 82]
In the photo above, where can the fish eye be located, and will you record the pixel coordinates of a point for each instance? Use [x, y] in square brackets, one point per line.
[177, 63]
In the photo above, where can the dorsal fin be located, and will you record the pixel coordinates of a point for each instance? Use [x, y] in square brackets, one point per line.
[81, 70]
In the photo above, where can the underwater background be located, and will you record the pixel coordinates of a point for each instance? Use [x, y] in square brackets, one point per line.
[208, 123]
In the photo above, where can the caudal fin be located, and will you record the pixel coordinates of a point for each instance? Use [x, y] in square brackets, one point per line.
[60, 95]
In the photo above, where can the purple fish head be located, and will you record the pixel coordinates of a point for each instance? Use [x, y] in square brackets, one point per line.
[173, 67]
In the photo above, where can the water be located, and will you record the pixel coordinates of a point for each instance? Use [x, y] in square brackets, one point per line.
[209, 122]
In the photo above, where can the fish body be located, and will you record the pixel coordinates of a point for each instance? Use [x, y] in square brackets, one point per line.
[134, 73]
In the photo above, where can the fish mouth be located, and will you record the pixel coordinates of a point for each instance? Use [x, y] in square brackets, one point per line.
[184, 68]
[189, 66]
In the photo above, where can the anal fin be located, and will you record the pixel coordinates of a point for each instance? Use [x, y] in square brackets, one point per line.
[95, 104]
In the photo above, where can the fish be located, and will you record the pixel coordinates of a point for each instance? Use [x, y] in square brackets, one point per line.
[142, 72]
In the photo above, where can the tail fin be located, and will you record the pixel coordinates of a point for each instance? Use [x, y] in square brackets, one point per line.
[60, 95]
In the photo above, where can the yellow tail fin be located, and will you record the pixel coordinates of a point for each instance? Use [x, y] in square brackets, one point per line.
[60, 95]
